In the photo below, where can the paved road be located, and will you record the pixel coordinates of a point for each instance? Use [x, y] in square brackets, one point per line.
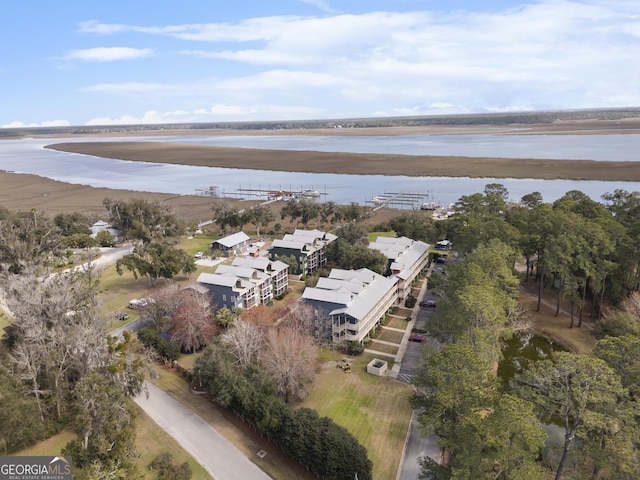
[222, 460]
[417, 446]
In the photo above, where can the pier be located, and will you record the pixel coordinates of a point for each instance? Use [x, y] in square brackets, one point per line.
[417, 201]
[269, 194]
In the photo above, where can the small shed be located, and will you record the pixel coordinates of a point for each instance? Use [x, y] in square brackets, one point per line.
[377, 367]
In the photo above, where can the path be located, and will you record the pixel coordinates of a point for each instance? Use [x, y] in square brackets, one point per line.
[222, 460]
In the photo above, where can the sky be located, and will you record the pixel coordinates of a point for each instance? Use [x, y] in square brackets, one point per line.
[85, 62]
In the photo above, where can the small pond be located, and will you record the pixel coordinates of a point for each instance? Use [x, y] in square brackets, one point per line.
[520, 351]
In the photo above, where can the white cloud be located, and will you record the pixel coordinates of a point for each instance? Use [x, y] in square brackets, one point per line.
[107, 54]
[51, 123]
[547, 54]
[219, 112]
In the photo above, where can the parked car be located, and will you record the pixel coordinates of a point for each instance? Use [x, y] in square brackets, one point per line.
[439, 269]
[428, 304]
[121, 316]
[417, 337]
[139, 302]
[199, 254]
[441, 260]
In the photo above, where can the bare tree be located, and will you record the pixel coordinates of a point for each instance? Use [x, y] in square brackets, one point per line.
[290, 357]
[303, 317]
[244, 341]
[194, 324]
[161, 305]
[56, 330]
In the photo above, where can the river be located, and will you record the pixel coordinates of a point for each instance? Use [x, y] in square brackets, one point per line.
[29, 156]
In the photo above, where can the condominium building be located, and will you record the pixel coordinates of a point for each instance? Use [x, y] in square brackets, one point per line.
[407, 259]
[353, 301]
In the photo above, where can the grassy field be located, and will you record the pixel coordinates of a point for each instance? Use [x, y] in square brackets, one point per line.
[375, 410]
[151, 440]
[390, 335]
[398, 322]
[382, 347]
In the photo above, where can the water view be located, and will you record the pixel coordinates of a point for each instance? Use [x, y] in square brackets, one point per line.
[29, 156]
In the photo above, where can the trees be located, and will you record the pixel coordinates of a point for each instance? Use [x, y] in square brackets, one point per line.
[346, 255]
[415, 225]
[623, 355]
[57, 334]
[302, 210]
[104, 422]
[325, 448]
[193, 321]
[582, 392]
[165, 468]
[27, 239]
[244, 342]
[144, 221]
[483, 435]
[156, 260]
[290, 358]
[479, 300]
[226, 317]
[225, 215]
[260, 216]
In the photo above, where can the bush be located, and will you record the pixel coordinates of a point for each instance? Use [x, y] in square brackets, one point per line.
[164, 468]
[352, 348]
[410, 302]
[165, 348]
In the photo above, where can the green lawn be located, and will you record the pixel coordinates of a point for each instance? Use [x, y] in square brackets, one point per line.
[375, 410]
[381, 347]
[398, 322]
[390, 335]
[374, 235]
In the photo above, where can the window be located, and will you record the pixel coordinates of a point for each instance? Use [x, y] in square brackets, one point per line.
[224, 297]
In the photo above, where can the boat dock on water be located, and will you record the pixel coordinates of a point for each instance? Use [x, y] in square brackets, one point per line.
[269, 194]
[414, 200]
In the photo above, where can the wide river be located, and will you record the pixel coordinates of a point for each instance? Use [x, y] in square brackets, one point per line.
[29, 156]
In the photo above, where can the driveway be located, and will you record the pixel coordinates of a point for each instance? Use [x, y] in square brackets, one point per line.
[222, 460]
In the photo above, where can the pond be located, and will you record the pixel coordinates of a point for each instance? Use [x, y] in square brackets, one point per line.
[520, 351]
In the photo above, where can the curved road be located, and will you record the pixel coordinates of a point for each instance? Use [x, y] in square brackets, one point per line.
[222, 460]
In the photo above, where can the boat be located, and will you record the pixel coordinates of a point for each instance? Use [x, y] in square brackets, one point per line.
[310, 193]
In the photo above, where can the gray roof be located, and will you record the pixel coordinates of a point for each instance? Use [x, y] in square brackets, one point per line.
[233, 240]
[260, 263]
[242, 272]
[317, 234]
[403, 251]
[356, 304]
[223, 280]
[291, 244]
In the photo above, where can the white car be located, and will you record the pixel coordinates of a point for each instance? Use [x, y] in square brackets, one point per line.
[199, 255]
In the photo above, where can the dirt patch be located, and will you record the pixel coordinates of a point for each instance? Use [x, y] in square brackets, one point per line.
[557, 328]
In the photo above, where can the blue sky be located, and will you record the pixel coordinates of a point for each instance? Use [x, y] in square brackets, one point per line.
[84, 62]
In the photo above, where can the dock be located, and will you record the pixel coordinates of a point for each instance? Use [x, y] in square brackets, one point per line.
[417, 201]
